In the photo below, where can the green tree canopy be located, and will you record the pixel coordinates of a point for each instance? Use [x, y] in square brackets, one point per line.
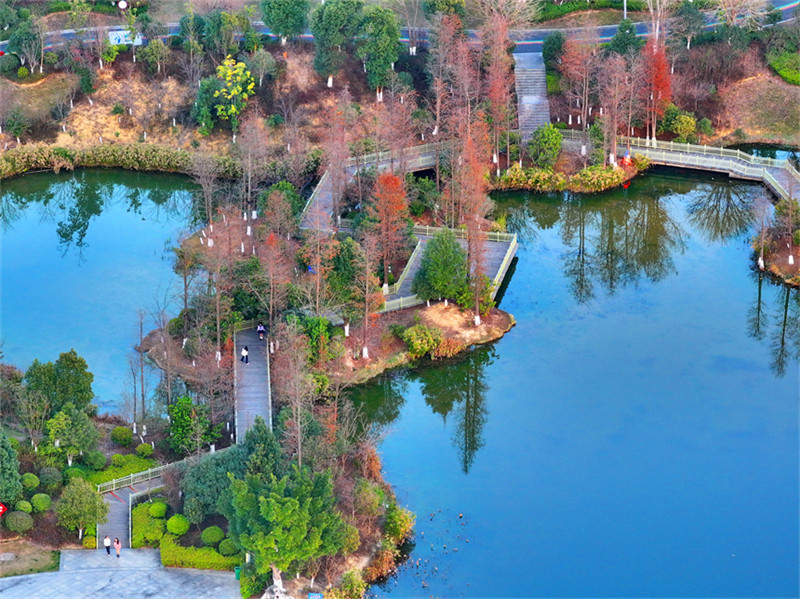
[445, 7]
[70, 432]
[443, 268]
[10, 480]
[81, 506]
[625, 40]
[206, 480]
[189, 428]
[334, 24]
[66, 380]
[378, 43]
[286, 18]
[545, 146]
[286, 522]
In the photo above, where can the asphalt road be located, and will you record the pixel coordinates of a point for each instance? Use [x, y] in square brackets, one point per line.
[529, 40]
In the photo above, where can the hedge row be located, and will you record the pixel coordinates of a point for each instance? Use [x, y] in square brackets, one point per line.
[172, 554]
[147, 530]
[787, 65]
[137, 157]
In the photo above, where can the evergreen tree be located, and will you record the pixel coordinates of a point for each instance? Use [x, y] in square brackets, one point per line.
[286, 18]
[443, 269]
[625, 40]
[378, 44]
[10, 480]
[71, 432]
[66, 380]
[81, 506]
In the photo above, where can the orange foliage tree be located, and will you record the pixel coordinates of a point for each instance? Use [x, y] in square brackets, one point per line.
[390, 208]
[658, 83]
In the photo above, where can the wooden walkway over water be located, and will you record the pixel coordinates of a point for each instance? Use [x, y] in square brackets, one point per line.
[318, 214]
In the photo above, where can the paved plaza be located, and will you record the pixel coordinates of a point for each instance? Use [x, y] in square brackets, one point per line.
[137, 574]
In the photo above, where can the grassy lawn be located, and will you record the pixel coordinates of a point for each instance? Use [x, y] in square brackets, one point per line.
[38, 98]
[28, 558]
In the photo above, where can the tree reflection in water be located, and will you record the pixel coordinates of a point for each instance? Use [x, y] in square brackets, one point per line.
[722, 212]
[72, 200]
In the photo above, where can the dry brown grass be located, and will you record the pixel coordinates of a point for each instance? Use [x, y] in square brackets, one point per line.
[28, 558]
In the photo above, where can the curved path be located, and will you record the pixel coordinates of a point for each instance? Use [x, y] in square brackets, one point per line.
[526, 40]
[135, 575]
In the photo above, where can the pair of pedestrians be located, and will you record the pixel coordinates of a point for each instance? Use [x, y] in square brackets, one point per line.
[107, 545]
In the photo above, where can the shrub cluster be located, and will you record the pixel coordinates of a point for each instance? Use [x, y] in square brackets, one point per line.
[29, 481]
[787, 65]
[23, 506]
[18, 522]
[95, 460]
[158, 509]
[534, 179]
[144, 450]
[399, 523]
[421, 340]
[90, 542]
[212, 535]
[41, 502]
[122, 435]
[551, 10]
[178, 525]
[596, 178]
[50, 478]
[147, 529]
[173, 554]
[227, 547]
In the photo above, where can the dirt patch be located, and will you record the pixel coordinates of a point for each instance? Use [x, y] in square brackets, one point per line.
[764, 106]
[28, 558]
[778, 261]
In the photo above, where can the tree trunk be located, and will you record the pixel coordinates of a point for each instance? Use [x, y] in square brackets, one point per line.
[276, 577]
[80, 533]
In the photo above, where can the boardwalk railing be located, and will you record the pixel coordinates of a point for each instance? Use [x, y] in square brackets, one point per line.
[132, 479]
[501, 272]
[403, 275]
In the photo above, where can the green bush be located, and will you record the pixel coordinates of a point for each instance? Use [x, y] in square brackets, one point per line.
[23, 506]
[18, 522]
[95, 460]
[144, 450]
[227, 547]
[117, 108]
[787, 65]
[251, 582]
[158, 509]
[553, 84]
[41, 502]
[178, 525]
[173, 555]
[22, 72]
[421, 340]
[796, 237]
[545, 146]
[399, 523]
[121, 465]
[50, 478]
[353, 586]
[704, 126]
[596, 178]
[641, 162]
[9, 63]
[29, 481]
[212, 535]
[74, 472]
[122, 435]
[534, 179]
[146, 530]
[90, 542]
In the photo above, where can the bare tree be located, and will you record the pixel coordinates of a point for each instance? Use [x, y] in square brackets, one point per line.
[293, 383]
[578, 67]
[270, 283]
[660, 10]
[336, 146]
[746, 13]
[368, 291]
[411, 12]
[498, 77]
[517, 13]
[252, 152]
[612, 78]
[205, 172]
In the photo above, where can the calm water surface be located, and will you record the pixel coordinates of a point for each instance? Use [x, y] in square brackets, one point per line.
[634, 435]
[81, 254]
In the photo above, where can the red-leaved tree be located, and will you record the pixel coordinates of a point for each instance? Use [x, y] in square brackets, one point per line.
[390, 208]
[658, 83]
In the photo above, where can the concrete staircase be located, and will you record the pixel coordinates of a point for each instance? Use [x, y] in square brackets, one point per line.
[532, 104]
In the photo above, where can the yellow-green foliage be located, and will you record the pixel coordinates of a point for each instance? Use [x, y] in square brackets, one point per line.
[534, 179]
[421, 340]
[399, 523]
[641, 162]
[172, 554]
[596, 178]
[139, 157]
[147, 531]
[90, 542]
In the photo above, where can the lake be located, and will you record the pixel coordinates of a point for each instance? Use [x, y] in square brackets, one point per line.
[82, 253]
[634, 435]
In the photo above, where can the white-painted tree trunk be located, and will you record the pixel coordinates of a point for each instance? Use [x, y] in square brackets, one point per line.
[365, 352]
[69, 460]
[347, 329]
[761, 263]
[330, 80]
[570, 120]
[90, 101]
[283, 41]
[445, 302]
[477, 320]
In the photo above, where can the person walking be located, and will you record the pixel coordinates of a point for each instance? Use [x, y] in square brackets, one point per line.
[117, 545]
[107, 545]
[261, 330]
[245, 358]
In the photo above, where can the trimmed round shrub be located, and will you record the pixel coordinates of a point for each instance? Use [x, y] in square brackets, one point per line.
[95, 460]
[18, 522]
[178, 525]
[117, 459]
[122, 435]
[227, 547]
[90, 542]
[24, 506]
[212, 535]
[50, 477]
[158, 510]
[41, 502]
[144, 450]
[30, 481]
[22, 72]
[71, 473]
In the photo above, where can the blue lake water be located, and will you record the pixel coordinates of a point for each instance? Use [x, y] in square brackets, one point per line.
[82, 253]
[634, 435]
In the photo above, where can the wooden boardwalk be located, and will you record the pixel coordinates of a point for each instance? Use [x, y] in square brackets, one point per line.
[251, 383]
[118, 513]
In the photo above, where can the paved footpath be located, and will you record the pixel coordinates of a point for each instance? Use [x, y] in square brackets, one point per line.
[137, 574]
